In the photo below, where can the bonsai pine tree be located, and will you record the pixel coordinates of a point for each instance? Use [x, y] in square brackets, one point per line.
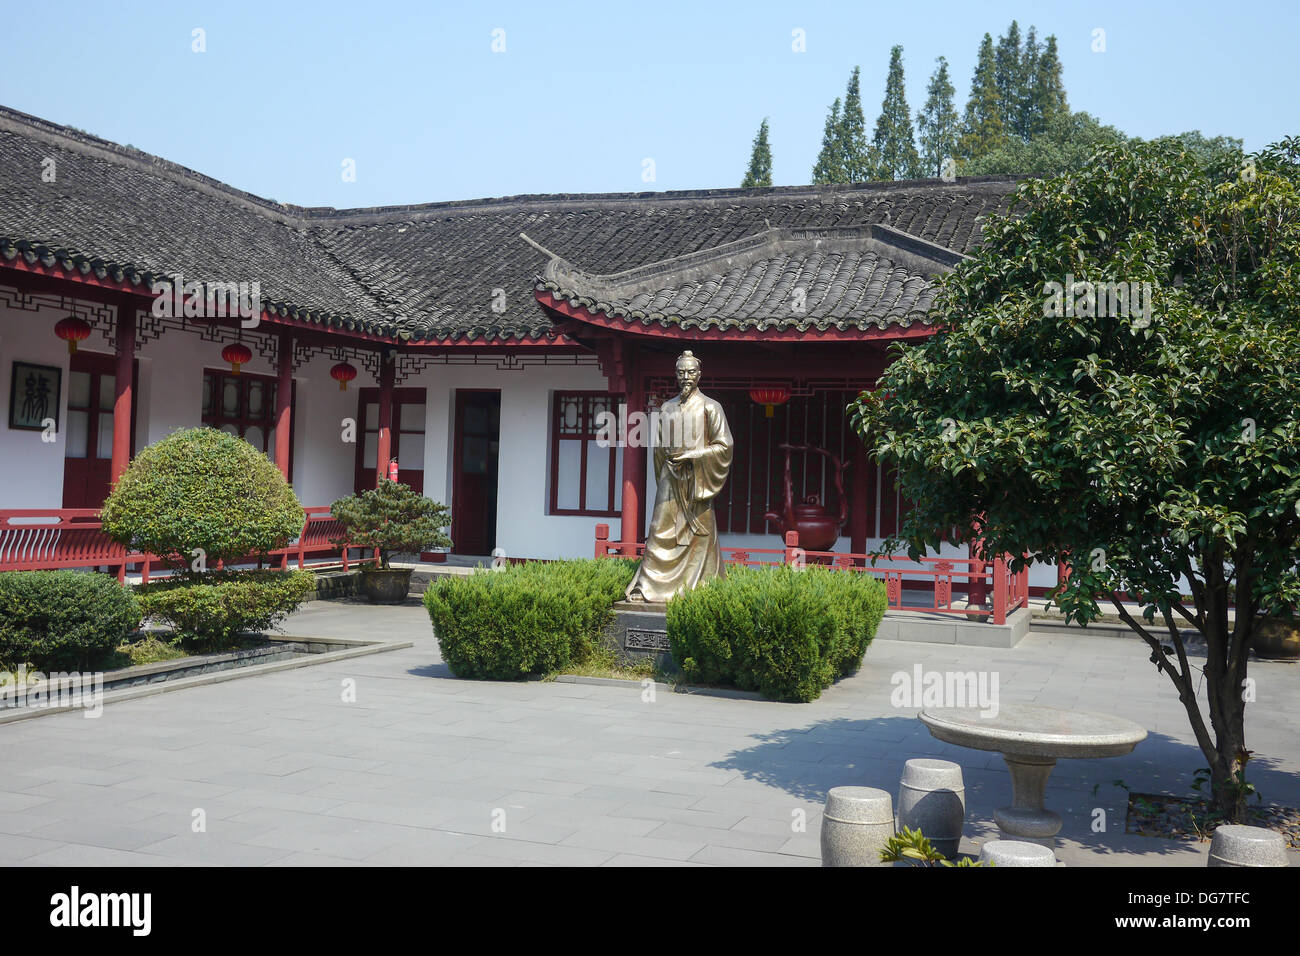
[392, 518]
[1151, 441]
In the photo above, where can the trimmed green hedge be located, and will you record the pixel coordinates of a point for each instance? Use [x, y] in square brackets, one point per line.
[215, 609]
[785, 632]
[62, 618]
[526, 618]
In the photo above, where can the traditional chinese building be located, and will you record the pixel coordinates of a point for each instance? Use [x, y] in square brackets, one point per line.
[476, 343]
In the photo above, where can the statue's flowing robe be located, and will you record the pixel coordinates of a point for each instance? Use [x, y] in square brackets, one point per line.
[682, 546]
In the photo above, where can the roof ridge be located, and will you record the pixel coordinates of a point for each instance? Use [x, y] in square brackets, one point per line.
[305, 217]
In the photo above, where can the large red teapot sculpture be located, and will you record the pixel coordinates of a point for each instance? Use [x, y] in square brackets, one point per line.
[818, 528]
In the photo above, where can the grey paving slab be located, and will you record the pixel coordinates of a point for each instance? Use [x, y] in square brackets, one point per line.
[289, 774]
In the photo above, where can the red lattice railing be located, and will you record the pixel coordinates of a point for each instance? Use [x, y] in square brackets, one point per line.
[942, 577]
[47, 539]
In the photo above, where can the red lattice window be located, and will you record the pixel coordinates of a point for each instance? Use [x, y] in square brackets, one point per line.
[586, 472]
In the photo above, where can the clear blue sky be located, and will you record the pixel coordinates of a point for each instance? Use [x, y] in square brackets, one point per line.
[584, 92]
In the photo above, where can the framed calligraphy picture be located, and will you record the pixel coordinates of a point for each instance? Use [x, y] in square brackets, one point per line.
[34, 394]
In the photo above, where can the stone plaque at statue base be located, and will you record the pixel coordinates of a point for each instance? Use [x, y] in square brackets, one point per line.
[640, 630]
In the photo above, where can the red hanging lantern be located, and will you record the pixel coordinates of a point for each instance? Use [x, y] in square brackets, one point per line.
[237, 353]
[343, 373]
[770, 397]
[72, 330]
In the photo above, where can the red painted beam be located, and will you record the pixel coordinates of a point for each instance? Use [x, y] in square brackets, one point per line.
[283, 401]
[124, 384]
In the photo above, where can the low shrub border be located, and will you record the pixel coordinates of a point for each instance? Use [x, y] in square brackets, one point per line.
[525, 619]
[214, 609]
[788, 633]
[55, 619]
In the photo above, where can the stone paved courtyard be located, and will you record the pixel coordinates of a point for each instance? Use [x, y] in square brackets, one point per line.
[419, 767]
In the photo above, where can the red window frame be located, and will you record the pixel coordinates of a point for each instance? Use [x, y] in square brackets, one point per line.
[243, 420]
[585, 431]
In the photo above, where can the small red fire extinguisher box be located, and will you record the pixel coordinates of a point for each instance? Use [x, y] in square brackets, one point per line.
[392, 469]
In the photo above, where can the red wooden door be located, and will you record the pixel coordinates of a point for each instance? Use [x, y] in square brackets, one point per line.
[474, 487]
[407, 444]
[88, 430]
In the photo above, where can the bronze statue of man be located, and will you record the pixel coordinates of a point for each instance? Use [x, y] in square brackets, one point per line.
[692, 457]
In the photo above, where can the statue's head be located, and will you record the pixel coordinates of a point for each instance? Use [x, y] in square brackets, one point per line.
[688, 373]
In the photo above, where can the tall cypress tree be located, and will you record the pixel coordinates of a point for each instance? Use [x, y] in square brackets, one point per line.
[937, 124]
[893, 144]
[1008, 76]
[982, 126]
[1048, 89]
[760, 162]
[1027, 118]
[853, 134]
[830, 161]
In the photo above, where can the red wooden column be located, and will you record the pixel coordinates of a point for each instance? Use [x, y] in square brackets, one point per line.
[283, 401]
[858, 502]
[124, 384]
[634, 459]
[387, 375]
[979, 590]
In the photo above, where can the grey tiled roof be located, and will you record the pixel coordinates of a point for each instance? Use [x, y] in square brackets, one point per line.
[433, 271]
[851, 277]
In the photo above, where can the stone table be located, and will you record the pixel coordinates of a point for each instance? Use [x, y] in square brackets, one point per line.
[1031, 738]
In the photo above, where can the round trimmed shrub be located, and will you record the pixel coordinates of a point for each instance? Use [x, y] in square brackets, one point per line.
[525, 619]
[217, 608]
[62, 618]
[200, 488]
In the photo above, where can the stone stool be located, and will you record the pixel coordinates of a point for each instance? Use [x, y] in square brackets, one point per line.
[1236, 845]
[856, 824]
[932, 799]
[1015, 853]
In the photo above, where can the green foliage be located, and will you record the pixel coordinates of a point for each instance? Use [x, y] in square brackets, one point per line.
[202, 489]
[760, 162]
[785, 632]
[1141, 446]
[1066, 145]
[525, 619]
[1009, 77]
[893, 145]
[62, 618]
[937, 124]
[982, 127]
[911, 846]
[1046, 93]
[220, 606]
[845, 156]
[392, 518]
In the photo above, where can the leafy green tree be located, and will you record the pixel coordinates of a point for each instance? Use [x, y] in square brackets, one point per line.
[1065, 145]
[760, 162]
[830, 161]
[982, 126]
[894, 144]
[200, 496]
[1210, 150]
[1155, 449]
[858, 165]
[937, 124]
